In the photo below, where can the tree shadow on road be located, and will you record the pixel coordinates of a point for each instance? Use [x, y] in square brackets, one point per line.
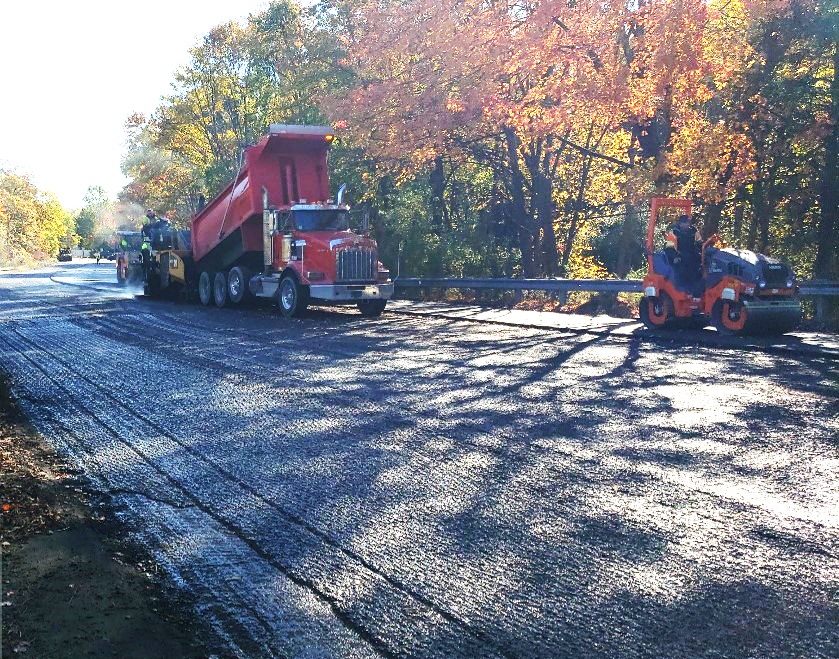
[533, 497]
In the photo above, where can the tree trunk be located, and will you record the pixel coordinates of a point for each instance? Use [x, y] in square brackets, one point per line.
[628, 231]
[712, 219]
[737, 229]
[544, 205]
[826, 265]
[522, 218]
[751, 235]
[759, 229]
[575, 218]
[629, 228]
[437, 183]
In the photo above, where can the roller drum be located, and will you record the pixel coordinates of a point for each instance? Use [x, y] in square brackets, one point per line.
[771, 316]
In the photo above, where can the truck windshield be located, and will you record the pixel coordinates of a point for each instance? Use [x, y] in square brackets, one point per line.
[322, 220]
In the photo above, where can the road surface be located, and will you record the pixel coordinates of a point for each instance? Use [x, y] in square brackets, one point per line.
[447, 483]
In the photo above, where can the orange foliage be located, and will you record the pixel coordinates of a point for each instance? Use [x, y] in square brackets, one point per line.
[435, 73]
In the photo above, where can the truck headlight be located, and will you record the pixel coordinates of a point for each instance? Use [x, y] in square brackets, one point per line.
[790, 283]
[649, 291]
[314, 276]
[761, 283]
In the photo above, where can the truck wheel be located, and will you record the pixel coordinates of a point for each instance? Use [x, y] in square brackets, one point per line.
[205, 288]
[372, 308]
[220, 290]
[237, 284]
[292, 297]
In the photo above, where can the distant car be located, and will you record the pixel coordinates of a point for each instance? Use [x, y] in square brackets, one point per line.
[64, 255]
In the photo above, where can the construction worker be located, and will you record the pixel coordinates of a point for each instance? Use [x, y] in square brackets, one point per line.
[162, 233]
[684, 246]
[157, 230]
[146, 235]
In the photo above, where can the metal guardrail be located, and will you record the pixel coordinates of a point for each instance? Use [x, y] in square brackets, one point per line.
[563, 285]
[819, 288]
[810, 288]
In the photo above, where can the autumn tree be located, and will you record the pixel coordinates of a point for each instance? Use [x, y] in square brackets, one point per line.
[513, 138]
[521, 88]
[240, 79]
[32, 223]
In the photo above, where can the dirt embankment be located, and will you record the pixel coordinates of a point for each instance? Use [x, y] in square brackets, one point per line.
[69, 589]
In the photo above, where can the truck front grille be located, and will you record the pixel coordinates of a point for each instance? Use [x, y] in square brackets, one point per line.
[355, 265]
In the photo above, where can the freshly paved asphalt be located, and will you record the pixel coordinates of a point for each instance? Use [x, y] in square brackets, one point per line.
[424, 485]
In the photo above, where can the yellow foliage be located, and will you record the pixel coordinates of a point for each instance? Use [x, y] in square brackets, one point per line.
[33, 224]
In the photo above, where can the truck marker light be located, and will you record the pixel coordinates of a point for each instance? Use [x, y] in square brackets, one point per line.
[329, 137]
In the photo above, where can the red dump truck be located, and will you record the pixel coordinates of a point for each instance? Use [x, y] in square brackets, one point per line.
[273, 232]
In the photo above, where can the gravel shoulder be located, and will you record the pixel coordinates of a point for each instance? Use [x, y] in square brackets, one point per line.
[68, 587]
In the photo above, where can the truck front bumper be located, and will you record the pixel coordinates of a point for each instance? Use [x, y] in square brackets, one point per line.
[351, 292]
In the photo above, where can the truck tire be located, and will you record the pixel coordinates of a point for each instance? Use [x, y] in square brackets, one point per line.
[220, 290]
[292, 298]
[237, 284]
[205, 288]
[372, 308]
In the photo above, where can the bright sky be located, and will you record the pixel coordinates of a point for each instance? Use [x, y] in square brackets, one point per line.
[71, 71]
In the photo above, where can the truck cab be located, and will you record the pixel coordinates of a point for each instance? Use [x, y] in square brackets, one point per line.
[314, 255]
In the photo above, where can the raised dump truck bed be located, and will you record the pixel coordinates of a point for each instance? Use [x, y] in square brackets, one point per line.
[290, 165]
